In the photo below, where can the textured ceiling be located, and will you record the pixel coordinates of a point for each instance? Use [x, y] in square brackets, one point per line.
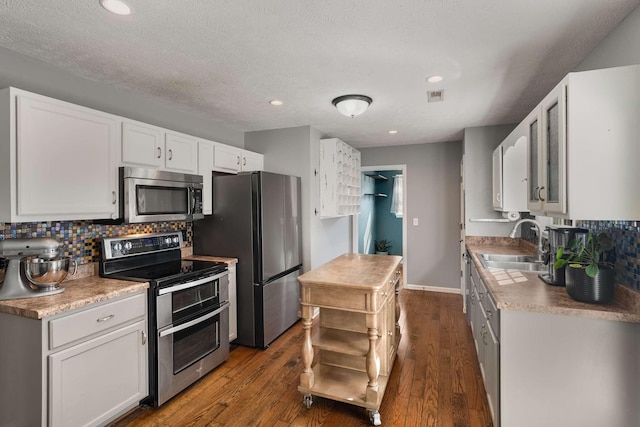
[225, 59]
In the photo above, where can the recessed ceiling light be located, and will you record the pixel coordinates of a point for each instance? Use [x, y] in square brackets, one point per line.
[118, 7]
[276, 102]
[434, 79]
[393, 132]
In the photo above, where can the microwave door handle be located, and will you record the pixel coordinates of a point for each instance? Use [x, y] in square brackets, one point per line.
[194, 321]
[190, 202]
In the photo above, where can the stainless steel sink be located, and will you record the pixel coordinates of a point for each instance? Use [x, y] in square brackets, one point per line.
[512, 262]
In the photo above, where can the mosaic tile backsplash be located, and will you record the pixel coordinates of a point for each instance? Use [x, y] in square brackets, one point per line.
[81, 238]
[626, 235]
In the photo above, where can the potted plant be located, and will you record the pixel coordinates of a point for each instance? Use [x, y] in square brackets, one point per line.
[589, 276]
[382, 247]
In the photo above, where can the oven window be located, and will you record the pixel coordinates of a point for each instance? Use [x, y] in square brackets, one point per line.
[155, 200]
[189, 302]
[192, 344]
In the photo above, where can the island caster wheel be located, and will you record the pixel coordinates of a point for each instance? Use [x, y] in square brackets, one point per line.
[374, 416]
[308, 400]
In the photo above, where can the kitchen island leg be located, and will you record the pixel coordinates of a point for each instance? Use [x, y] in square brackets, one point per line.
[373, 360]
[306, 377]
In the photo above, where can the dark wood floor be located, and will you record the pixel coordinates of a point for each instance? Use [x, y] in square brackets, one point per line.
[435, 381]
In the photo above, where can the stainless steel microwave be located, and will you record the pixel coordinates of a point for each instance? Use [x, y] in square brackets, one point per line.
[149, 195]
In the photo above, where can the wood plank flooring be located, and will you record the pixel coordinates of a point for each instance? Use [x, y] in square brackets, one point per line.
[435, 381]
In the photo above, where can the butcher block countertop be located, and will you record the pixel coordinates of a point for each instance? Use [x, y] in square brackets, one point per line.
[77, 294]
[355, 271]
[229, 261]
[534, 295]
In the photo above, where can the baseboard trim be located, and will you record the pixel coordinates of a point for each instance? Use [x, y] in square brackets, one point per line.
[432, 289]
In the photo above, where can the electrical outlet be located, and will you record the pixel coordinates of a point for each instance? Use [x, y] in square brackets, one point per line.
[415, 221]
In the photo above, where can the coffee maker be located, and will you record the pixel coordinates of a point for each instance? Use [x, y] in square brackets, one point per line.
[560, 236]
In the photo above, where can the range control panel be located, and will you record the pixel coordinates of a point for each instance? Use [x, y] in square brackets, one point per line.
[118, 247]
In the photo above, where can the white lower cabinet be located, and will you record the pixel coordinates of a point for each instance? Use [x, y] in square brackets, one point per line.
[99, 379]
[85, 367]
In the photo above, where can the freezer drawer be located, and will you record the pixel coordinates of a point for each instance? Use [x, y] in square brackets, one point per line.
[279, 306]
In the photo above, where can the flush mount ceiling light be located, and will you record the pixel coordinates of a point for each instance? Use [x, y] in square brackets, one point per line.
[393, 132]
[118, 7]
[434, 79]
[352, 105]
[276, 102]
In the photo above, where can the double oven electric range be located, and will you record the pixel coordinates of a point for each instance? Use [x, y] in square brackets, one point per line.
[188, 308]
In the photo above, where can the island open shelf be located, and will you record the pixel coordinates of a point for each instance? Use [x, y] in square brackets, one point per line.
[356, 344]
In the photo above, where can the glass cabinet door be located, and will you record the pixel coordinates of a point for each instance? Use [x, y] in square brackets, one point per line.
[533, 162]
[552, 191]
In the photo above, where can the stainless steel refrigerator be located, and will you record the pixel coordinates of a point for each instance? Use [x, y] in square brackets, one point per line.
[256, 218]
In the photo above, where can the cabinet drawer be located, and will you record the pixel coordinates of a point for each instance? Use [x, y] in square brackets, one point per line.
[97, 319]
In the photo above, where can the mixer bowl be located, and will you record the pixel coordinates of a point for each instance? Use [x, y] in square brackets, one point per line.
[47, 273]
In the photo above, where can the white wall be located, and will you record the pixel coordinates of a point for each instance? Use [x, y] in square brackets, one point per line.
[620, 47]
[36, 76]
[295, 151]
[479, 143]
[433, 196]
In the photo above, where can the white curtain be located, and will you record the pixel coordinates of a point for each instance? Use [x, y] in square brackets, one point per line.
[396, 200]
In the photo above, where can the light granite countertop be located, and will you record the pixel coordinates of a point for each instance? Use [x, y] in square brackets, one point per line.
[525, 291]
[77, 294]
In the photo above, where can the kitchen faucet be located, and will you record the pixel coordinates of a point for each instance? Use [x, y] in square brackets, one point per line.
[538, 226]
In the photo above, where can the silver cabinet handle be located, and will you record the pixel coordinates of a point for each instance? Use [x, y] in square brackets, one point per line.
[536, 194]
[114, 199]
[238, 160]
[144, 337]
[159, 152]
[498, 197]
[105, 318]
[170, 154]
[194, 322]
[244, 161]
[540, 194]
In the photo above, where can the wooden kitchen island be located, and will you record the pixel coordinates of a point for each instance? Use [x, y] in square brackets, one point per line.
[359, 333]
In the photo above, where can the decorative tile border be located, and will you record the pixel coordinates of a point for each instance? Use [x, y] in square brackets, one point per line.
[81, 239]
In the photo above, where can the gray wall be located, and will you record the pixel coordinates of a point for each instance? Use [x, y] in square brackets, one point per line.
[620, 47]
[295, 151]
[33, 75]
[479, 143]
[433, 196]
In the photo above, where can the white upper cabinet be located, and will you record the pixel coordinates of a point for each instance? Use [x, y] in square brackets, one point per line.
[510, 172]
[151, 146]
[205, 167]
[233, 160]
[142, 144]
[583, 148]
[181, 153]
[340, 192]
[56, 160]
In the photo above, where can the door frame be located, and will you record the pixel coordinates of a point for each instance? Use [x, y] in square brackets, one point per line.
[354, 221]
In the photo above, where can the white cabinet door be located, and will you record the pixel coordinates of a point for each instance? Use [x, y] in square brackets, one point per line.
[227, 158]
[339, 169]
[99, 379]
[252, 161]
[205, 166]
[66, 157]
[497, 178]
[534, 163]
[181, 153]
[553, 150]
[233, 304]
[142, 144]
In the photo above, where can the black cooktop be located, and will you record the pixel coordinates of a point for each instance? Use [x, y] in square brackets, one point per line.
[172, 270]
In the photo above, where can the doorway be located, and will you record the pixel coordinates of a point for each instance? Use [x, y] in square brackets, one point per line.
[382, 211]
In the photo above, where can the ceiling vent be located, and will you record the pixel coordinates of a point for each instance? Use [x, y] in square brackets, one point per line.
[435, 95]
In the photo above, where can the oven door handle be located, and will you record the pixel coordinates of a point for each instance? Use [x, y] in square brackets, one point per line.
[194, 322]
[188, 285]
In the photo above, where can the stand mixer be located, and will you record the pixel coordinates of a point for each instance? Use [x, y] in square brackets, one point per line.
[32, 269]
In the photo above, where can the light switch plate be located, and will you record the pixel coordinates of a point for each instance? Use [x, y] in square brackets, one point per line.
[415, 221]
